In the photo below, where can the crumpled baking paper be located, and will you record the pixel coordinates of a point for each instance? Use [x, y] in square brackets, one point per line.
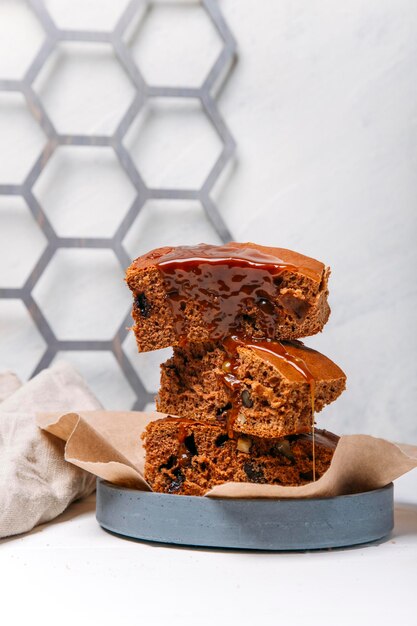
[109, 445]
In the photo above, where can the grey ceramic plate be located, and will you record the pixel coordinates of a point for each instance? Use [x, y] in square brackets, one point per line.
[254, 524]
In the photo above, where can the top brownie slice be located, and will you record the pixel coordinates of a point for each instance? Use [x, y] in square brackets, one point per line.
[206, 293]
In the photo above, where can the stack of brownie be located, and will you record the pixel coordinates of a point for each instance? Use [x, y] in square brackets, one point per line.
[241, 390]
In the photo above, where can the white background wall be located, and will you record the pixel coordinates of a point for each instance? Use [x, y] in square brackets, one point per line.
[323, 106]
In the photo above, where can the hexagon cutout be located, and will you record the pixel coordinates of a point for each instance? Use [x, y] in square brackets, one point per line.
[177, 146]
[82, 294]
[21, 344]
[191, 44]
[21, 138]
[169, 223]
[84, 88]
[103, 375]
[86, 14]
[21, 241]
[84, 191]
[21, 36]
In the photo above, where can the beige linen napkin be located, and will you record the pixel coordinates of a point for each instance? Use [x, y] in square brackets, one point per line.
[36, 483]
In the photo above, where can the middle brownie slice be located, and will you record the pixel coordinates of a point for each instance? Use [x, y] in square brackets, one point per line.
[266, 389]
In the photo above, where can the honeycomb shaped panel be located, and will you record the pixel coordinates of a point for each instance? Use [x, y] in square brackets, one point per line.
[84, 191]
[22, 139]
[84, 89]
[166, 157]
[21, 241]
[191, 44]
[82, 294]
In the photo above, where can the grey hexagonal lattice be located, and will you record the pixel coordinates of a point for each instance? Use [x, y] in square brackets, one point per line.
[60, 340]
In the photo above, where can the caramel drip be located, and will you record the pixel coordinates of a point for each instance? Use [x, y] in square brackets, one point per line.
[228, 284]
[182, 432]
[276, 350]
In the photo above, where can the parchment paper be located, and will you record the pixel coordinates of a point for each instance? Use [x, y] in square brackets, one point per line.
[109, 445]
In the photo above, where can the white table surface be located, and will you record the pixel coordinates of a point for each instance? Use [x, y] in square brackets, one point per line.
[72, 571]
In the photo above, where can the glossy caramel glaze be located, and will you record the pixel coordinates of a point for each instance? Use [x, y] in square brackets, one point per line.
[227, 282]
[305, 265]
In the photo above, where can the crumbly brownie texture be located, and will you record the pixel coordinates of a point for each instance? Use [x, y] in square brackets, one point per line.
[187, 457]
[273, 398]
[283, 293]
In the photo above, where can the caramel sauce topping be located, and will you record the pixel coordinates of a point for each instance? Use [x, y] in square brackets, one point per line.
[228, 283]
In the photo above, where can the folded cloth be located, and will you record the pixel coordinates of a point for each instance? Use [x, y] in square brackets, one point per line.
[36, 483]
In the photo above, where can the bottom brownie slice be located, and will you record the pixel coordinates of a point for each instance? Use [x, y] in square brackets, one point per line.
[188, 457]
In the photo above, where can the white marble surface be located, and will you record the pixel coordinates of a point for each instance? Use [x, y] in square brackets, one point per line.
[322, 103]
